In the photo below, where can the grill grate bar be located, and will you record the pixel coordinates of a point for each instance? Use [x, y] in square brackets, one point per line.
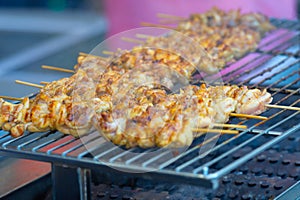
[71, 149]
[257, 58]
[269, 70]
[120, 155]
[275, 39]
[286, 86]
[228, 74]
[5, 144]
[85, 141]
[165, 164]
[68, 139]
[155, 158]
[281, 48]
[253, 153]
[284, 39]
[263, 56]
[208, 164]
[282, 23]
[34, 149]
[180, 167]
[283, 91]
[289, 95]
[31, 140]
[105, 152]
[127, 162]
[4, 135]
[91, 146]
[247, 71]
[278, 81]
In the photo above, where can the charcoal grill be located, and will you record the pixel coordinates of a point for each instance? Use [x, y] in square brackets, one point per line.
[274, 65]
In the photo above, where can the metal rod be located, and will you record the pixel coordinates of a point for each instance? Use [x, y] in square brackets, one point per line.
[195, 171]
[253, 153]
[144, 164]
[105, 152]
[49, 141]
[267, 70]
[32, 140]
[120, 155]
[91, 146]
[137, 157]
[286, 86]
[70, 139]
[274, 74]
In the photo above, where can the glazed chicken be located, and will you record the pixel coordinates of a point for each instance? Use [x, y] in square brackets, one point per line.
[144, 116]
[204, 42]
[143, 97]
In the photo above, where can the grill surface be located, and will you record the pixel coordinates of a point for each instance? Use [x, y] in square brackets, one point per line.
[275, 66]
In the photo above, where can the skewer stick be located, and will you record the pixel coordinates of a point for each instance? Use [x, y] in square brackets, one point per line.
[86, 54]
[163, 15]
[169, 21]
[143, 36]
[157, 25]
[207, 130]
[29, 84]
[108, 52]
[44, 82]
[247, 116]
[231, 126]
[11, 98]
[83, 54]
[58, 69]
[132, 40]
[283, 107]
[80, 58]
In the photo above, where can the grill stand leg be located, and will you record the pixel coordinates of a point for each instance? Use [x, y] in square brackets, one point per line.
[71, 183]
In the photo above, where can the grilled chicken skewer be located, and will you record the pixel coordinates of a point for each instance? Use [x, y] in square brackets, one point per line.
[168, 120]
[59, 115]
[207, 41]
[224, 36]
[65, 105]
[219, 18]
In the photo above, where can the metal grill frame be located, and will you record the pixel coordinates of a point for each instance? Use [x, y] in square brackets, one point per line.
[80, 165]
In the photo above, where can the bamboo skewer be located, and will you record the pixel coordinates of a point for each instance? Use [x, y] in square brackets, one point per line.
[231, 126]
[108, 52]
[216, 125]
[44, 82]
[168, 21]
[86, 54]
[222, 131]
[11, 98]
[143, 36]
[132, 40]
[283, 107]
[247, 116]
[58, 69]
[157, 25]
[29, 84]
[163, 15]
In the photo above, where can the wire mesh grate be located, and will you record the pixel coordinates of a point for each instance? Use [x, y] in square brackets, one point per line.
[269, 67]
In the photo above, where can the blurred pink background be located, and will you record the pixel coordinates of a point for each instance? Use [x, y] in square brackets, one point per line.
[127, 14]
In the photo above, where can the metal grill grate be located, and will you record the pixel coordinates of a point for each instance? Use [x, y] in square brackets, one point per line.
[275, 66]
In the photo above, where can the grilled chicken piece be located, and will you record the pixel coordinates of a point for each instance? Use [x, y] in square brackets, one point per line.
[145, 117]
[144, 114]
[168, 120]
[204, 41]
[219, 18]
